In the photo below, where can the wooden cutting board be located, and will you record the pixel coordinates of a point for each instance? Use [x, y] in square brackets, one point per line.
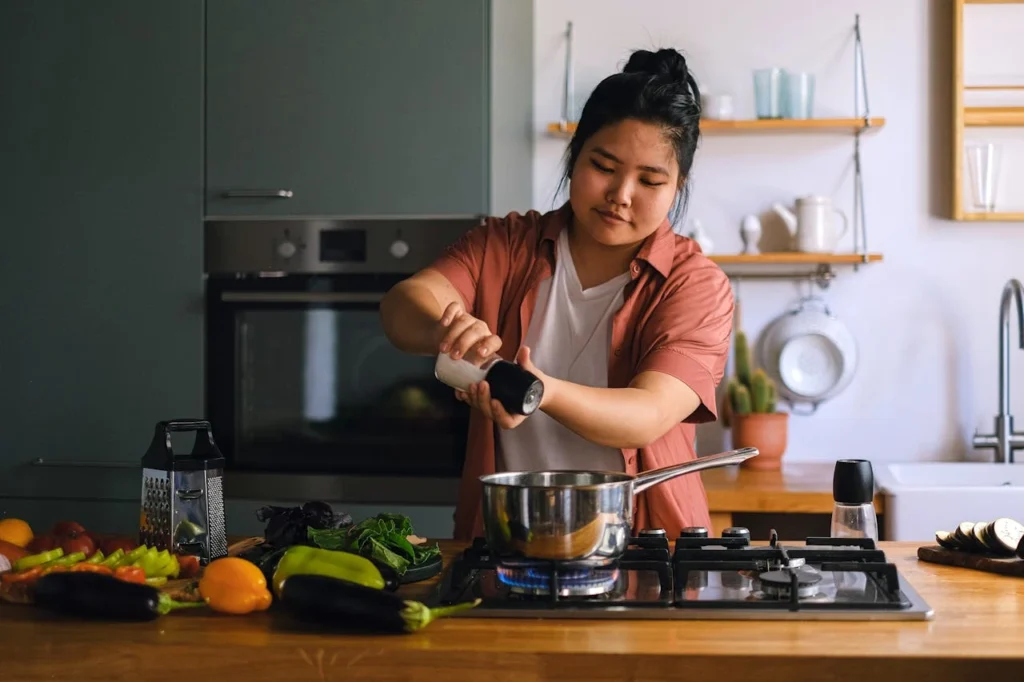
[185, 589]
[181, 589]
[988, 563]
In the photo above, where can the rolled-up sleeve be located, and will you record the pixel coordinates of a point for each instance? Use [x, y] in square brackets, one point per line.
[687, 334]
[463, 260]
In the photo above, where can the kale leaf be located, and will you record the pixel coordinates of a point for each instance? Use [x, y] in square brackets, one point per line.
[383, 537]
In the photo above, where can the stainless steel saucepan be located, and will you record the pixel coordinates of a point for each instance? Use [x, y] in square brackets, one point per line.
[578, 517]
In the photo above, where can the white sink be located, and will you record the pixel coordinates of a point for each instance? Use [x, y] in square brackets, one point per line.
[923, 497]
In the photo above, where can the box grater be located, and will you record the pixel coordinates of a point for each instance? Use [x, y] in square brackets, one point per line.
[182, 494]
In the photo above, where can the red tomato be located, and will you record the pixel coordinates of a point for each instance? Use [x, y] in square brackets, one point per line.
[188, 566]
[78, 542]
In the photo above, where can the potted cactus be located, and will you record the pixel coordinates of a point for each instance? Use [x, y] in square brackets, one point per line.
[751, 401]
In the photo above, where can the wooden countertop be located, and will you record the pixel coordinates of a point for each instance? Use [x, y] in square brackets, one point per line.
[977, 631]
[799, 487]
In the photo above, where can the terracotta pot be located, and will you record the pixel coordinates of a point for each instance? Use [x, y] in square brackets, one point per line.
[766, 432]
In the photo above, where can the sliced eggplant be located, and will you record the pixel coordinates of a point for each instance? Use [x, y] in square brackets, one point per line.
[988, 539]
[977, 536]
[1007, 533]
[945, 539]
[964, 535]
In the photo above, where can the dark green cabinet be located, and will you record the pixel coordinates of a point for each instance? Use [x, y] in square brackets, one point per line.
[340, 108]
[101, 271]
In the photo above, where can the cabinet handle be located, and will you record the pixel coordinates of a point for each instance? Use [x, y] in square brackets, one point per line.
[40, 462]
[258, 194]
[301, 297]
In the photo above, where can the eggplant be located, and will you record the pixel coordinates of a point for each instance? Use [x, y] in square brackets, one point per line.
[946, 539]
[96, 595]
[347, 605]
[1006, 535]
[390, 575]
[963, 534]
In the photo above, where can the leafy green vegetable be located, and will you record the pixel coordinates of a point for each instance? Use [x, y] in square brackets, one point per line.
[383, 537]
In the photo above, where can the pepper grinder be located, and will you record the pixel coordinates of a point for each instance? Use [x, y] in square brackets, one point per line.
[853, 491]
[518, 390]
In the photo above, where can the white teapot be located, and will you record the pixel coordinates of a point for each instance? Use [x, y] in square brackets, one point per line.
[811, 225]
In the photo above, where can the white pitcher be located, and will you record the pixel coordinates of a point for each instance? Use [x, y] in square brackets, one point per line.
[811, 225]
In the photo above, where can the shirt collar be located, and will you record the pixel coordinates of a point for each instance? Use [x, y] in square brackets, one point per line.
[657, 250]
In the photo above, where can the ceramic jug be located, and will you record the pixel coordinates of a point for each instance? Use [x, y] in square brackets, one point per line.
[811, 224]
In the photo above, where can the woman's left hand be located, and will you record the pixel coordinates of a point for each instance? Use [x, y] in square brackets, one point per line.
[479, 395]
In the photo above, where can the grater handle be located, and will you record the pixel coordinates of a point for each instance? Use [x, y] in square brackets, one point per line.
[185, 424]
[203, 445]
[204, 448]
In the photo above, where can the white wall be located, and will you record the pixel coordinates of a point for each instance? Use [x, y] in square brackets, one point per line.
[925, 318]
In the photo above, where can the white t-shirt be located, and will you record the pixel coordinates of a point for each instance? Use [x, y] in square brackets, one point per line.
[568, 339]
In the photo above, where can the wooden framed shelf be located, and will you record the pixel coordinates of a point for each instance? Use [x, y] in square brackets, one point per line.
[1008, 115]
[783, 125]
[994, 88]
[994, 217]
[994, 116]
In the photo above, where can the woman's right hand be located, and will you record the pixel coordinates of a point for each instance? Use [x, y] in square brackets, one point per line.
[464, 336]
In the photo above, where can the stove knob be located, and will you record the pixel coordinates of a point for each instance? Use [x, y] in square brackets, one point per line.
[736, 532]
[399, 248]
[652, 533]
[694, 532]
[286, 249]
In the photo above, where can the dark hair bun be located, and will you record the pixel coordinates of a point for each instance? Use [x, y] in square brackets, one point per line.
[664, 62]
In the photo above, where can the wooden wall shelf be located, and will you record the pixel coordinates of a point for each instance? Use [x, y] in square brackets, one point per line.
[819, 268]
[784, 125]
[795, 258]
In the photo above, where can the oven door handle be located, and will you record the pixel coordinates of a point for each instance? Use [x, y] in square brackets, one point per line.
[302, 297]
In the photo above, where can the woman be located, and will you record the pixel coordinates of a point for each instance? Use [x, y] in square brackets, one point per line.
[625, 323]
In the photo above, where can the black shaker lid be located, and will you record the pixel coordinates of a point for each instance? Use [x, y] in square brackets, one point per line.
[518, 390]
[853, 481]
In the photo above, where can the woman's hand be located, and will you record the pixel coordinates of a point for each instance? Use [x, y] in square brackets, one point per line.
[464, 336]
[479, 395]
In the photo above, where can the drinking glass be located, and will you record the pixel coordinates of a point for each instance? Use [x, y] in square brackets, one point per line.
[768, 93]
[799, 90]
[983, 168]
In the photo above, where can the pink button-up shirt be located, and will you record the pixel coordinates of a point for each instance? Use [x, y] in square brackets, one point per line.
[676, 319]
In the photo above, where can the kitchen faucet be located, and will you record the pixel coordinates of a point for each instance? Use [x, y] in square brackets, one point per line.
[1005, 440]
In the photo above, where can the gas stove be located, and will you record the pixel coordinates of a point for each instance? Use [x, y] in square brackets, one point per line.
[701, 577]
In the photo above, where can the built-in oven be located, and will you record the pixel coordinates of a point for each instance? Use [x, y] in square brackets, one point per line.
[300, 376]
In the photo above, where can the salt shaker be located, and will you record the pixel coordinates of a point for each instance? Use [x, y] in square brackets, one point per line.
[853, 492]
[518, 390]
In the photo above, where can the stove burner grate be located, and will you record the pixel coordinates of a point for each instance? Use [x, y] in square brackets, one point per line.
[569, 582]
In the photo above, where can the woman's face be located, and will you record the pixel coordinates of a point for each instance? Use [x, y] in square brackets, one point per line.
[623, 183]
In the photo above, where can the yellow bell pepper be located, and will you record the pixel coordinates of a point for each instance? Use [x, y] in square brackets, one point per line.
[234, 585]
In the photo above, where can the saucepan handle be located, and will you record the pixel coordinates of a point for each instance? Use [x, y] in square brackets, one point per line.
[652, 478]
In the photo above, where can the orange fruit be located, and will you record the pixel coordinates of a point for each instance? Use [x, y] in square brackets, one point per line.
[234, 585]
[15, 531]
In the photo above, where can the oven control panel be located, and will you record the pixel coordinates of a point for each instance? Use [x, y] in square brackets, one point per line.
[364, 245]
